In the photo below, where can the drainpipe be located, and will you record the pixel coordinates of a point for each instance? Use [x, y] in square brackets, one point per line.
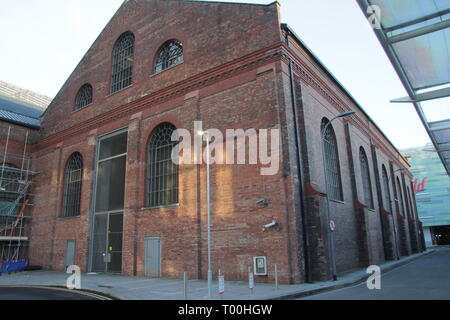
[299, 172]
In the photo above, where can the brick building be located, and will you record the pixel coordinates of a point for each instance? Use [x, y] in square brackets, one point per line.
[108, 199]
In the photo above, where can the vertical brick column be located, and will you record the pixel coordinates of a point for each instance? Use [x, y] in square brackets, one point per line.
[363, 237]
[133, 189]
[386, 223]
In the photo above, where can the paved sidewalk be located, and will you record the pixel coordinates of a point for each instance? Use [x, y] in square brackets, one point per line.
[139, 288]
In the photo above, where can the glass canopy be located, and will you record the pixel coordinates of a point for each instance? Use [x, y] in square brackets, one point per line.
[416, 37]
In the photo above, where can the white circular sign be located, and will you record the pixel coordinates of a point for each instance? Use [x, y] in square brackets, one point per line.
[332, 226]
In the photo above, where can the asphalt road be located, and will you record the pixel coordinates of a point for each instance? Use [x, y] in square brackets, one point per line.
[23, 293]
[427, 278]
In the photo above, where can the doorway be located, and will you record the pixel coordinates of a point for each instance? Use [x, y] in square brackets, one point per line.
[152, 255]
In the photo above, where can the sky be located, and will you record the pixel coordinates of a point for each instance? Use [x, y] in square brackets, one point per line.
[44, 40]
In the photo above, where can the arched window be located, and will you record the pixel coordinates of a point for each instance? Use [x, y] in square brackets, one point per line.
[84, 97]
[162, 172]
[122, 62]
[72, 186]
[365, 173]
[331, 156]
[400, 198]
[409, 202]
[387, 191]
[170, 54]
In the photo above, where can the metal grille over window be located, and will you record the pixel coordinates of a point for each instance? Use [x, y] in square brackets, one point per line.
[84, 97]
[387, 192]
[72, 186]
[334, 187]
[169, 55]
[122, 62]
[367, 185]
[162, 172]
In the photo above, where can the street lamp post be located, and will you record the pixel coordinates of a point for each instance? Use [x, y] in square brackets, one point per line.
[208, 197]
[330, 232]
[393, 217]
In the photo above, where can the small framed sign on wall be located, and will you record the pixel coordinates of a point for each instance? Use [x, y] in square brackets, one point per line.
[260, 264]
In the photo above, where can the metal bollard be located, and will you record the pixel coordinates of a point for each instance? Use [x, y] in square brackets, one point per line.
[276, 276]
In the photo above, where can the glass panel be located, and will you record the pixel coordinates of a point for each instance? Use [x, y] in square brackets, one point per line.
[395, 12]
[111, 185]
[100, 232]
[113, 146]
[115, 266]
[116, 223]
[426, 59]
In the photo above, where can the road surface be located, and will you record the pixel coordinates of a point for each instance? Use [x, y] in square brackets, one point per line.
[427, 278]
[24, 293]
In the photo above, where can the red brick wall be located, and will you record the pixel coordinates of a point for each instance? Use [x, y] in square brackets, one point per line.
[212, 35]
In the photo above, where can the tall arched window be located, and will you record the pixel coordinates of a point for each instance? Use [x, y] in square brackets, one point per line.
[122, 67]
[410, 205]
[84, 97]
[162, 172]
[170, 54]
[365, 173]
[387, 191]
[331, 155]
[73, 177]
[400, 197]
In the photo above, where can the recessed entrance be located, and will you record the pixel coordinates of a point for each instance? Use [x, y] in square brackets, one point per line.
[441, 235]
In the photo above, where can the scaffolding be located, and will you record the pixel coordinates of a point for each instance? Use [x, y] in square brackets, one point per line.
[15, 198]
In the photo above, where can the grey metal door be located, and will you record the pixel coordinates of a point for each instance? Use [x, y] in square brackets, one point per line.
[108, 243]
[69, 259]
[152, 257]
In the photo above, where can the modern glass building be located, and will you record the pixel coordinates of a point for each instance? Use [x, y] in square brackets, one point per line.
[432, 188]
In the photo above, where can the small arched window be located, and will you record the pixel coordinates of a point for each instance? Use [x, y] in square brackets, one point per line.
[84, 97]
[162, 172]
[122, 68]
[365, 174]
[170, 54]
[387, 191]
[331, 157]
[73, 177]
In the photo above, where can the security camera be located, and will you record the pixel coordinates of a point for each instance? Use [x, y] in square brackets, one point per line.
[274, 223]
[263, 202]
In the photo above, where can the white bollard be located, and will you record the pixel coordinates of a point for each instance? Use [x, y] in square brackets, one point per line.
[251, 280]
[221, 285]
[185, 285]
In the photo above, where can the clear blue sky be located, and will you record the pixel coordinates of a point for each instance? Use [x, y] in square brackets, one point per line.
[43, 41]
